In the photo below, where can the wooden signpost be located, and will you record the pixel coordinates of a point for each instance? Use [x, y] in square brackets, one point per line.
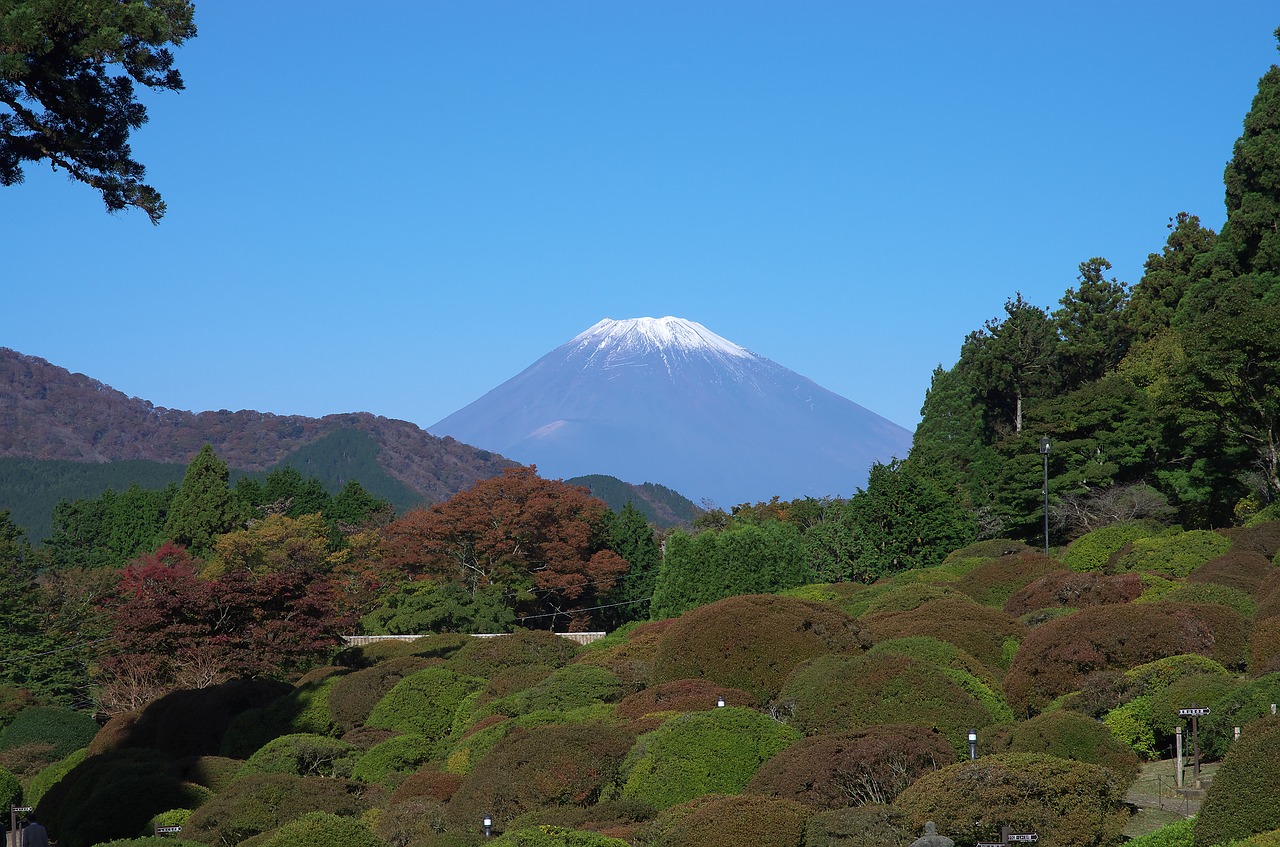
[1195, 713]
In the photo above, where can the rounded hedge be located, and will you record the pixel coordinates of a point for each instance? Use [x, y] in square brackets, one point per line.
[720, 821]
[322, 829]
[835, 694]
[303, 708]
[859, 826]
[867, 767]
[556, 764]
[1176, 554]
[258, 803]
[753, 642]
[353, 696]
[630, 658]
[402, 754]
[1070, 804]
[1241, 705]
[555, 836]
[1073, 590]
[1244, 797]
[424, 703]
[1264, 646]
[65, 729]
[1093, 550]
[10, 789]
[702, 753]
[304, 754]
[486, 656]
[1071, 735]
[935, 651]
[1243, 570]
[992, 583]
[989, 635]
[681, 695]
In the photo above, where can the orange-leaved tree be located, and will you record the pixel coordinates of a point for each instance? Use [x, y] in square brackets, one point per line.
[542, 542]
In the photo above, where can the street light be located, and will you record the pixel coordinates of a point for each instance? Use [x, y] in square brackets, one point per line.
[488, 827]
[973, 745]
[1045, 447]
[720, 702]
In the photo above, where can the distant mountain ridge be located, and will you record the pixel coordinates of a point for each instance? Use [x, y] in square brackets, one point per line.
[47, 412]
[668, 400]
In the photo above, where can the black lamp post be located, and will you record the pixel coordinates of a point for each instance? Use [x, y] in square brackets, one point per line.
[1045, 447]
[487, 823]
[973, 745]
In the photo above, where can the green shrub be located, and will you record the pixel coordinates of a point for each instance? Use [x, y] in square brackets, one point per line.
[1209, 592]
[571, 687]
[843, 693]
[1176, 834]
[869, 766]
[556, 764]
[1155, 676]
[1132, 724]
[1092, 551]
[303, 754]
[424, 703]
[701, 753]
[988, 549]
[1070, 735]
[1264, 646]
[213, 772]
[631, 660]
[1194, 690]
[555, 836]
[41, 782]
[1227, 629]
[322, 829]
[1173, 555]
[904, 598]
[618, 818]
[64, 729]
[1070, 804]
[1244, 798]
[937, 652]
[1244, 703]
[752, 642]
[978, 630]
[113, 796]
[402, 754]
[859, 826]
[258, 803]
[352, 697]
[733, 822]
[368, 655]
[150, 841]
[486, 656]
[10, 790]
[1260, 534]
[302, 709]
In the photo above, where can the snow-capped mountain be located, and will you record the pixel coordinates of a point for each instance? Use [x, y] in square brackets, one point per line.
[666, 400]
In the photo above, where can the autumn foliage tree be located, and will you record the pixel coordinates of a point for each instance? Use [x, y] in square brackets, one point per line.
[542, 541]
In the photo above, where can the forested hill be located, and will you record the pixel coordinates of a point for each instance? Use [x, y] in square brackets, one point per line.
[47, 412]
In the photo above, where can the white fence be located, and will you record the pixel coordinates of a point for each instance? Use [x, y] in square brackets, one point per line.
[364, 640]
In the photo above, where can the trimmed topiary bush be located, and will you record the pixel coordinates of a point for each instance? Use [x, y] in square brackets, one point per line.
[986, 634]
[1259, 535]
[702, 753]
[1177, 554]
[752, 642]
[403, 754]
[424, 703]
[867, 767]
[10, 790]
[43, 781]
[1093, 550]
[258, 803]
[992, 583]
[1264, 646]
[1176, 834]
[559, 764]
[322, 829]
[989, 549]
[486, 656]
[904, 598]
[732, 822]
[859, 826]
[681, 695]
[571, 687]
[63, 730]
[1056, 656]
[304, 754]
[1244, 798]
[556, 836]
[113, 796]
[1244, 570]
[1071, 735]
[1227, 628]
[1211, 592]
[936, 652]
[630, 659]
[303, 708]
[353, 696]
[1132, 724]
[1070, 804]
[1072, 590]
[1240, 706]
[835, 694]
[213, 772]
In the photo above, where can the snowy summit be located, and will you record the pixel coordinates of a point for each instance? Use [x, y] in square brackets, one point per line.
[667, 400]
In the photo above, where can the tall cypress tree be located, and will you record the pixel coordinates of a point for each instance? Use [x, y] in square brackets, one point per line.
[204, 507]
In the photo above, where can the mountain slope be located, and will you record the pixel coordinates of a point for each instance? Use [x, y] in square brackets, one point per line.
[668, 400]
[46, 412]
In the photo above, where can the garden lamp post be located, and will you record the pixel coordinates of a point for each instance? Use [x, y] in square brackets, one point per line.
[973, 745]
[720, 702]
[488, 827]
[1045, 447]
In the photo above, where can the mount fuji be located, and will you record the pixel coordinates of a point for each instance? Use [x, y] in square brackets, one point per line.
[666, 400]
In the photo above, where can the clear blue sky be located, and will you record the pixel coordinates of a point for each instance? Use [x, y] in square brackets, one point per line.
[395, 207]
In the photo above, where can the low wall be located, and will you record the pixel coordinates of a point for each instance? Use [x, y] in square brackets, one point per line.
[363, 640]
